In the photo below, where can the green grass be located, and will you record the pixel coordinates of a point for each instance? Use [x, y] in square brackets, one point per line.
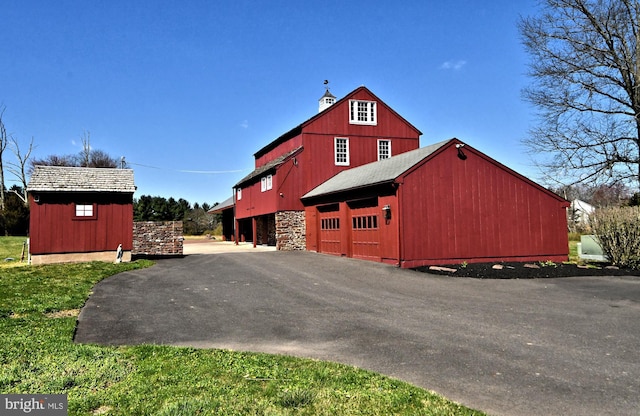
[37, 355]
[11, 251]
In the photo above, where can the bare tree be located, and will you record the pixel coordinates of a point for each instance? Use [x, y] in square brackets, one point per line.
[3, 146]
[85, 153]
[585, 66]
[19, 168]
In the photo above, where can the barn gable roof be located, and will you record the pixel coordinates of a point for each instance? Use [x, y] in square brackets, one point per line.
[267, 167]
[383, 171]
[77, 179]
[298, 129]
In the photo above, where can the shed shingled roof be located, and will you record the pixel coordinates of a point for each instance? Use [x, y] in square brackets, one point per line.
[383, 171]
[76, 179]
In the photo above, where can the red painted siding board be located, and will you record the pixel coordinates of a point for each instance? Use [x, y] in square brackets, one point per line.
[53, 228]
[474, 209]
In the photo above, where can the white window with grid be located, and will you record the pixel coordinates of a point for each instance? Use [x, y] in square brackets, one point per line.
[384, 149]
[84, 210]
[341, 151]
[362, 112]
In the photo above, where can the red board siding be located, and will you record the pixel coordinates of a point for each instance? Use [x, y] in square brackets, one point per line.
[254, 202]
[54, 228]
[278, 151]
[475, 210]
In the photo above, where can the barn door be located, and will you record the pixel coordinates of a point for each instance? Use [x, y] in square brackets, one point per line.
[329, 220]
[365, 231]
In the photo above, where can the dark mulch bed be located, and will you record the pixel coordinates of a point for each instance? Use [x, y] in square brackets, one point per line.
[526, 270]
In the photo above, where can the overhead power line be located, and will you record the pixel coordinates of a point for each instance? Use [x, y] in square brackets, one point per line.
[202, 172]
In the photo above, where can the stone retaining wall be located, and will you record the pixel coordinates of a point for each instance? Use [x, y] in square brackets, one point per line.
[290, 231]
[157, 238]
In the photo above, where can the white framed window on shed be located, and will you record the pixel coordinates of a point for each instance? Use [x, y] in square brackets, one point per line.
[341, 146]
[85, 211]
[362, 112]
[384, 149]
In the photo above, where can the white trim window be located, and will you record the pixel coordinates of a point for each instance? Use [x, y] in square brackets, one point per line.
[266, 183]
[362, 112]
[384, 149]
[341, 155]
[85, 211]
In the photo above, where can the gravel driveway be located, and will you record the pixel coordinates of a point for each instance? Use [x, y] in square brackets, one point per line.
[509, 347]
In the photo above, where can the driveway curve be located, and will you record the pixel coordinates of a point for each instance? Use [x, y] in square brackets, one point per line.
[508, 347]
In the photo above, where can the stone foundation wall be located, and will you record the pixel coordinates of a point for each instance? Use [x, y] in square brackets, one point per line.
[157, 238]
[290, 231]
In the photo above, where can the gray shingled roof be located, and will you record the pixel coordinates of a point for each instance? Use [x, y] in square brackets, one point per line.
[383, 171]
[226, 204]
[268, 166]
[73, 179]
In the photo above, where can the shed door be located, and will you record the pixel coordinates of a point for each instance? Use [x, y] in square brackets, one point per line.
[329, 220]
[365, 232]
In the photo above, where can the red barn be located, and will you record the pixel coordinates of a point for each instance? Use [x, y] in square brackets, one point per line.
[80, 214]
[441, 204]
[355, 130]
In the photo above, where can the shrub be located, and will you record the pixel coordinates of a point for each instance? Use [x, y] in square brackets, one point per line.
[618, 232]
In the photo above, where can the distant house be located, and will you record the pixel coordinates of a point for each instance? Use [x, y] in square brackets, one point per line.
[80, 214]
[355, 130]
[441, 204]
[580, 211]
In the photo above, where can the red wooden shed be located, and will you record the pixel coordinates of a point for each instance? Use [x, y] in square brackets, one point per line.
[442, 204]
[80, 214]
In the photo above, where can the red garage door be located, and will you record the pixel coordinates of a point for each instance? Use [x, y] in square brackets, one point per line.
[365, 234]
[329, 218]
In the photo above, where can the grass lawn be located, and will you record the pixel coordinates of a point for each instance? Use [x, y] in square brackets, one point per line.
[38, 312]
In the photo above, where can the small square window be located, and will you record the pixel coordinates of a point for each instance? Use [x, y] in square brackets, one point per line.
[85, 211]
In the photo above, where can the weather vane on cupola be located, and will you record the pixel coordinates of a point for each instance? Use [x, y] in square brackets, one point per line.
[327, 99]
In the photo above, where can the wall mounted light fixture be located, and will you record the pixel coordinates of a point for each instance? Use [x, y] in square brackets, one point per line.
[461, 154]
[386, 212]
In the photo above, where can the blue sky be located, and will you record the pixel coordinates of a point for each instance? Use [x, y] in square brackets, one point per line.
[187, 91]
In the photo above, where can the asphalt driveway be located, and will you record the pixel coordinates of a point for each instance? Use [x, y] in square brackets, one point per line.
[509, 347]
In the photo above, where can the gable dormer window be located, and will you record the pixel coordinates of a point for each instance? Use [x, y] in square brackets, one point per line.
[362, 112]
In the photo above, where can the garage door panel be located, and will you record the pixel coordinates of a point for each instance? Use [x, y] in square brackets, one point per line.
[365, 233]
[329, 233]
